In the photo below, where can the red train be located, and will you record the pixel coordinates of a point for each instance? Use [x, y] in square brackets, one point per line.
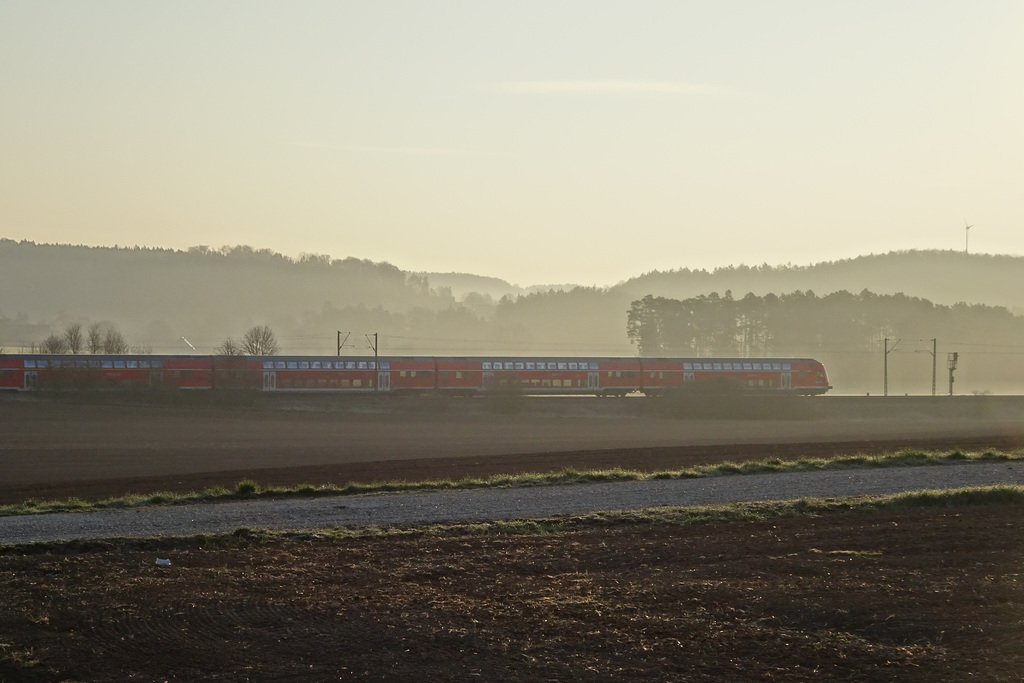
[446, 375]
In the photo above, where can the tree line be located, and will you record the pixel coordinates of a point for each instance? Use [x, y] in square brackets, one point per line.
[802, 322]
[259, 340]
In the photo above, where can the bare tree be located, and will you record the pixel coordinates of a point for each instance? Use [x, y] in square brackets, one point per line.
[53, 344]
[74, 340]
[95, 338]
[114, 342]
[260, 341]
[230, 347]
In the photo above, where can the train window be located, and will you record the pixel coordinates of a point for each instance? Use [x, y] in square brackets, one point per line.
[687, 366]
[144, 364]
[292, 365]
[562, 366]
[508, 366]
[385, 365]
[119, 364]
[362, 365]
[717, 366]
[30, 364]
[531, 366]
[520, 366]
[574, 366]
[757, 366]
[747, 366]
[776, 366]
[785, 366]
[328, 365]
[486, 366]
[350, 365]
[106, 364]
[42, 363]
[304, 365]
[279, 364]
[133, 364]
[268, 365]
[372, 365]
[94, 364]
[315, 365]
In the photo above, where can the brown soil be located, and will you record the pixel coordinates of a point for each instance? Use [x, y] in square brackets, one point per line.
[922, 595]
[928, 595]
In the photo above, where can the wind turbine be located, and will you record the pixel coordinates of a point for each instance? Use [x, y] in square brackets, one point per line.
[967, 234]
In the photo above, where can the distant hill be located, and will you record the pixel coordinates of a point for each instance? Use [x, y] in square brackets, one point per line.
[944, 277]
[158, 296]
[462, 284]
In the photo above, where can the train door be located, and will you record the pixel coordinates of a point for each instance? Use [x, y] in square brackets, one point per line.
[787, 380]
[593, 380]
[269, 381]
[384, 381]
[31, 380]
[488, 380]
[687, 378]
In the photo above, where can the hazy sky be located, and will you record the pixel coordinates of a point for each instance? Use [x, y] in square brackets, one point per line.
[539, 142]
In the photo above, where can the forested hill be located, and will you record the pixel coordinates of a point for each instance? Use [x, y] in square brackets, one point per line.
[160, 297]
[943, 277]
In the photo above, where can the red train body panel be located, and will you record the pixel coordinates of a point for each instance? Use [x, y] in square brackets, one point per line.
[418, 374]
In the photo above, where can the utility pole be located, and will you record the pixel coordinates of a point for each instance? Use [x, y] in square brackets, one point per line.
[376, 365]
[342, 343]
[934, 349]
[885, 366]
[951, 362]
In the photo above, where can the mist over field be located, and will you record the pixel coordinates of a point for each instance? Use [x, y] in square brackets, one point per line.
[168, 301]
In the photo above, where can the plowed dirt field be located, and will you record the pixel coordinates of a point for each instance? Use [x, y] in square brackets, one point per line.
[912, 595]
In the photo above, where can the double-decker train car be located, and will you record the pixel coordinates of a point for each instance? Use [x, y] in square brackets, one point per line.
[415, 374]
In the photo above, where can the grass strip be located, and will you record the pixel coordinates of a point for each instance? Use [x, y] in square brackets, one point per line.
[249, 489]
[609, 520]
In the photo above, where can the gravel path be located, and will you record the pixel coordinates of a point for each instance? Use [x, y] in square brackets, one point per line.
[495, 504]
